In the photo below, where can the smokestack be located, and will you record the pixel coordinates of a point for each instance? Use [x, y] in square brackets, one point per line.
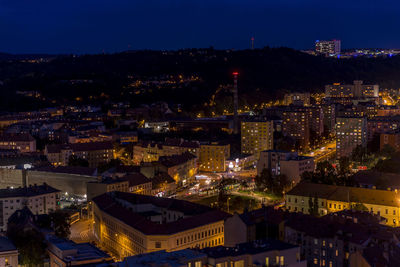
[252, 43]
[235, 104]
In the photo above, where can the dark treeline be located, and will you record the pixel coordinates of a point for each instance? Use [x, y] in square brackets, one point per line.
[264, 75]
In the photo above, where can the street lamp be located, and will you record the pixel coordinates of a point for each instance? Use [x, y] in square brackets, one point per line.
[227, 202]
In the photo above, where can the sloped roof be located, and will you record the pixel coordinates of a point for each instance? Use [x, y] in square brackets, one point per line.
[346, 194]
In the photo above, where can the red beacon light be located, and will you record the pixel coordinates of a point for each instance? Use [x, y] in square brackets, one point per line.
[235, 73]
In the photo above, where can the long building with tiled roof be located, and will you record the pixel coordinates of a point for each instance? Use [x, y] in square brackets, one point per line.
[94, 152]
[331, 198]
[128, 224]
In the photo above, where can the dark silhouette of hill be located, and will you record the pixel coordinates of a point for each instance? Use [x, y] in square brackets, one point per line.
[264, 74]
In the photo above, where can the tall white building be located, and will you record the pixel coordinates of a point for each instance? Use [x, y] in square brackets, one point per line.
[40, 199]
[328, 48]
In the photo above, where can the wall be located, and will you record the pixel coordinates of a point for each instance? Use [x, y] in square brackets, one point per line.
[71, 183]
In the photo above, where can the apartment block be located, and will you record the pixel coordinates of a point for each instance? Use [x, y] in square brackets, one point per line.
[284, 162]
[95, 153]
[181, 168]
[355, 90]
[40, 199]
[350, 133]
[21, 142]
[256, 136]
[213, 156]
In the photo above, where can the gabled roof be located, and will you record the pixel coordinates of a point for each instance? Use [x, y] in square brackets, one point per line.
[136, 179]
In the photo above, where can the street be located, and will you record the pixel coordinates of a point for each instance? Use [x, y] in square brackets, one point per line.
[81, 231]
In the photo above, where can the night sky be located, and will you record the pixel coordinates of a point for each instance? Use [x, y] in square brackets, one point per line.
[93, 26]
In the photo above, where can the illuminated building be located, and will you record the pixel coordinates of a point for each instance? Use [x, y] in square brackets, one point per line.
[95, 153]
[355, 90]
[390, 138]
[40, 199]
[180, 258]
[180, 167]
[302, 99]
[98, 188]
[350, 133]
[128, 224]
[138, 184]
[8, 253]
[20, 142]
[147, 152]
[151, 151]
[296, 125]
[212, 157]
[331, 198]
[382, 124]
[63, 253]
[329, 117]
[256, 136]
[328, 48]
[178, 146]
[284, 162]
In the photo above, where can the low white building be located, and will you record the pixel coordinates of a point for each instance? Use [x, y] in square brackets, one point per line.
[41, 199]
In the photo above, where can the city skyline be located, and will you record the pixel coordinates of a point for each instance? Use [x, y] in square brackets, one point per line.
[102, 26]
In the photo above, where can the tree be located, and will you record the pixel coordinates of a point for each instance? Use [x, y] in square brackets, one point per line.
[313, 204]
[30, 244]
[358, 153]
[60, 223]
[387, 150]
[344, 166]
[265, 180]
[282, 183]
[359, 207]
[73, 160]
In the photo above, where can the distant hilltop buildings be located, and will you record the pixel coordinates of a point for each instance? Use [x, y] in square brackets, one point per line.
[328, 48]
[333, 48]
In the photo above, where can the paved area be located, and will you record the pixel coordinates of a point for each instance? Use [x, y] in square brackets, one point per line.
[81, 231]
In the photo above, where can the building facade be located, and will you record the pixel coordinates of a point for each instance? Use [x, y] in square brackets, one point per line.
[21, 142]
[256, 136]
[286, 163]
[350, 133]
[213, 156]
[332, 47]
[41, 199]
[129, 224]
[355, 90]
[95, 153]
[181, 168]
[330, 199]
